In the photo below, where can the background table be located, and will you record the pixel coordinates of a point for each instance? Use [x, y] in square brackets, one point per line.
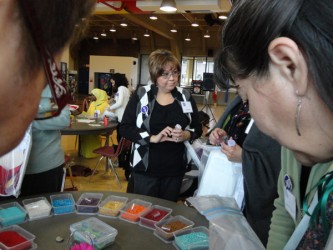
[130, 236]
[80, 128]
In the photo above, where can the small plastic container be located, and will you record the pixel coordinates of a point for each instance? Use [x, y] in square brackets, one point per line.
[133, 210]
[111, 205]
[12, 213]
[37, 208]
[16, 238]
[155, 214]
[88, 203]
[62, 203]
[192, 238]
[164, 229]
[95, 231]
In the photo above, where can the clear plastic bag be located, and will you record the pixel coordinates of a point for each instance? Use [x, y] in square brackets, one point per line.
[228, 228]
[222, 177]
[13, 165]
[232, 232]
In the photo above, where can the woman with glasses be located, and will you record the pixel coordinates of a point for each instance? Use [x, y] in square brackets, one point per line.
[99, 103]
[157, 119]
[279, 53]
[35, 34]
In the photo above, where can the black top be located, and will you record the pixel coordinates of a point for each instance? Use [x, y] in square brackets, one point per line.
[237, 122]
[165, 158]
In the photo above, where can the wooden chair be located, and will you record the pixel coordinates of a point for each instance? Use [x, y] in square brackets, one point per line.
[110, 153]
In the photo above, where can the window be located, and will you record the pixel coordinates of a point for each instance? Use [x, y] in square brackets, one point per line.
[193, 69]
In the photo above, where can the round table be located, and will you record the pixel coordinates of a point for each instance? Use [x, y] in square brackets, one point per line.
[95, 128]
[130, 236]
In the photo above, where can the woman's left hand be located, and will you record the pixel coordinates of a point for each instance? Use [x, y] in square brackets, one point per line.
[233, 153]
[179, 135]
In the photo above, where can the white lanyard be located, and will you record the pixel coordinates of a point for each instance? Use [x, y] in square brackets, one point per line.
[301, 227]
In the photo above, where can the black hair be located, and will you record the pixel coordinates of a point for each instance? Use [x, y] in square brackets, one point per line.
[120, 80]
[252, 25]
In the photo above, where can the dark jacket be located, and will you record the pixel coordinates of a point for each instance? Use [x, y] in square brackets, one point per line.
[261, 164]
[135, 124]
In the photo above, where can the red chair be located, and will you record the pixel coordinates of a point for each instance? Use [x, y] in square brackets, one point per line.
[110, 153]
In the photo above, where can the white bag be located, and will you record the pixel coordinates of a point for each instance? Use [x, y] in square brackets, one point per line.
[13, 165]
[222, 177]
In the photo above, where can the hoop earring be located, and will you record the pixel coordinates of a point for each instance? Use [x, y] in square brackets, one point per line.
[297, 114]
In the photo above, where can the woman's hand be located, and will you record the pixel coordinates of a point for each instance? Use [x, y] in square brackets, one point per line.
[164, 135]
[171, 134]
[233, 153]
[179, 135]
[215, 137]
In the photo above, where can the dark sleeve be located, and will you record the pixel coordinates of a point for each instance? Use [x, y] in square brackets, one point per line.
[261, 162]
[195, 124]
[225, 115]
[128, 128]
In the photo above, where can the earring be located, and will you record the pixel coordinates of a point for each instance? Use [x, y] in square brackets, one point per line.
[298, 111]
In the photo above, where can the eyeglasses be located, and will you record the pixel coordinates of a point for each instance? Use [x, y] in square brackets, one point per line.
[167, 75]
[206, 126]
[58, 86]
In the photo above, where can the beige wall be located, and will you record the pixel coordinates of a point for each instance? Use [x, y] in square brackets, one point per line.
[120, 64]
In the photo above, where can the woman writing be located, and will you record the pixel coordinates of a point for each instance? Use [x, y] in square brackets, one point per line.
[158, 118]
[90, 142]
[121, 97]
[279, 54]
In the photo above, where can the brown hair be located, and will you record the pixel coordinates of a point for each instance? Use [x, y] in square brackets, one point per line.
[59, 21]
[158, 59]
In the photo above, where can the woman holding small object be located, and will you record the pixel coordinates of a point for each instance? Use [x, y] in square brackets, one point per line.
[260, 158]
[158, 118]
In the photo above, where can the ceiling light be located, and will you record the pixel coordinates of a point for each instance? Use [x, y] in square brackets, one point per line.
[103, 33]
[113, 28]
[174, 30]
[168, 6]
[195, 23]
[134, 37]
[207, 35]
[223, 17]
[188, 38]
[95, 37]
[146, 34]
[153, 17]
[123, 24]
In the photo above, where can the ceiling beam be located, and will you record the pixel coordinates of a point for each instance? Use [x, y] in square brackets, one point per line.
[158, 28]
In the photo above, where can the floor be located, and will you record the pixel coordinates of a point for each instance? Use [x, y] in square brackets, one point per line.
[106, 181]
